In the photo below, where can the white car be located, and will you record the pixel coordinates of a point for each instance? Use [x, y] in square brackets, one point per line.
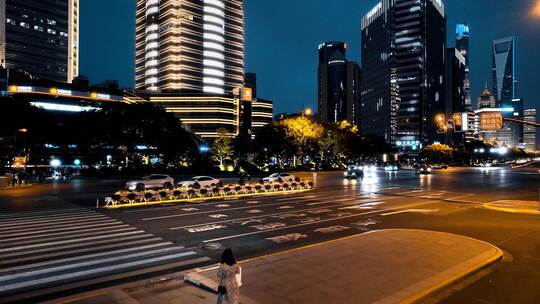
[204, 181]
[153, 181]
[286, 177]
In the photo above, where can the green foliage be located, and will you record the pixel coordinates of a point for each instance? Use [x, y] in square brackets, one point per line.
[222, 148]
[437, 153]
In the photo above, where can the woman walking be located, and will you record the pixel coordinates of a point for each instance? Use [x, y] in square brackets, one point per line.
[228, 290]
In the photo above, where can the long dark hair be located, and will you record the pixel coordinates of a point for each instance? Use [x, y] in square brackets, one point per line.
[228, 257]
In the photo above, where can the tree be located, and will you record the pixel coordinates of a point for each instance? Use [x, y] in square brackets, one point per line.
[222, 148]
[437, 153]
[305, 133]
[272, 141]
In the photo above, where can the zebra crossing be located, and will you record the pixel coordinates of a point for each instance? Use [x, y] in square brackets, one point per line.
[40, 250]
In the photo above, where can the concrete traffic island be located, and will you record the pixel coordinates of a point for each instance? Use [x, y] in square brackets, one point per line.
[514, 206]
[386, 266]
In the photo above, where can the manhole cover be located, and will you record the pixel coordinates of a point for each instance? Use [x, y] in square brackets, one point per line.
[212, 246]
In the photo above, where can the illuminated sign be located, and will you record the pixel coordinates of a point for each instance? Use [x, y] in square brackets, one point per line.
[462, 30]
[248, 94]
[491, 121]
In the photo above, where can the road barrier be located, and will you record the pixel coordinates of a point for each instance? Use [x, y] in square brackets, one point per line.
[123, 199]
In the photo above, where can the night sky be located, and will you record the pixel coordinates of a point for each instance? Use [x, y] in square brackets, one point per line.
[282, 38]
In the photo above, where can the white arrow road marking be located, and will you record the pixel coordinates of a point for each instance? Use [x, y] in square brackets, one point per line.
[218, 216]
[190, 209]
[222, 206]
[332, 229]
[204, 228]
[269, 226]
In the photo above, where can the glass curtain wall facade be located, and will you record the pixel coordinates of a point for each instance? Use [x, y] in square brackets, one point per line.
[40, 37]
[403, 60]
[189, 46]
[462, 45]
[529, 133]
[503, 77]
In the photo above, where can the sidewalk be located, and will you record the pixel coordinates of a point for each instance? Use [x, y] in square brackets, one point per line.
[387, 266]
[514, 206]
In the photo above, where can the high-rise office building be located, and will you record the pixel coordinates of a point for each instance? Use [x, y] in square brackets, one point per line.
[403, 68]
[503, 77]
[529, 132]
[462, 45]
[338, 84]
[486, 100]
[189, 46]
[40, 37]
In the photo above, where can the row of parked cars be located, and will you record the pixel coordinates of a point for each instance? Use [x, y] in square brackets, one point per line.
[158, 181]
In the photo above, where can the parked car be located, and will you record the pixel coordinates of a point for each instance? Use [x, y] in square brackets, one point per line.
[439, 166]
[153, 181]
[391, 167]
[424, 170]
[203, 181]
[286, 177]
[354, 172]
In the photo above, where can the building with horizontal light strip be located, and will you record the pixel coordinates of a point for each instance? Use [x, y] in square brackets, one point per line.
[189, 46]
[262, 114]
[41, 38]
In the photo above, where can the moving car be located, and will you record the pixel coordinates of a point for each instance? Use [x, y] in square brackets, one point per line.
[354, 172]
[204, 181]
[286, 177]
[391, 167]
[153, 181]
[424, 170]
[439, 166]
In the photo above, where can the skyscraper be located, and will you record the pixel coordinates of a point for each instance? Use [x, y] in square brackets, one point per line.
[462, 45]
[403, 67]
[189, 46]
[456, 73]
[41, 38]
[339, 84]
[503, 78]
[529, 132]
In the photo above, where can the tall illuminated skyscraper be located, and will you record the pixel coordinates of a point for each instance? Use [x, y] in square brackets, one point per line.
[504, 79]
[189, 46]
[41, 38]
[403, 71]
[462, 45]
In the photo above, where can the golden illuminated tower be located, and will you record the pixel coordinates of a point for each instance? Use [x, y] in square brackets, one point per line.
[189, 46]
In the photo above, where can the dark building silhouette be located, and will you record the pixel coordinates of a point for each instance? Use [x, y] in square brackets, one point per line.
[503, 77]
[40, 38]
[463, 47]
[339, 84]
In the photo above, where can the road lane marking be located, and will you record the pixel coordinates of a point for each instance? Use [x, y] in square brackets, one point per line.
[83, 257]
[231, 209]
[222, 206]
[287, 238]
[4, 288]
[79, 251]
[339, 214]
[254, 211]
[268, 226]
[16, 217]
[218, 216]
[70, 241]
[93, 228]
[412, 211]
[322, 221]
[52, 220]
[205, 228]
[117, 243]
[45, 238]
[33, 230]
[332, 229]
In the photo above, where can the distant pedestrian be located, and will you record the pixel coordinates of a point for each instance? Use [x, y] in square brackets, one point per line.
[229, 273]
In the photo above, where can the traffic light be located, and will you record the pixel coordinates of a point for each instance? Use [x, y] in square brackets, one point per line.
[457, 119]
[440, 120]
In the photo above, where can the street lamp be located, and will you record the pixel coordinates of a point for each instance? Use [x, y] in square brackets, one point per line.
[308, 112]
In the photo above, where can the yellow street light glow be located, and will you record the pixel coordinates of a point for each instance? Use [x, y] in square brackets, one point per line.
[536, 9]
[308, 111]
[94, 95]
[23, 130]
[53, 91]
[13, 89]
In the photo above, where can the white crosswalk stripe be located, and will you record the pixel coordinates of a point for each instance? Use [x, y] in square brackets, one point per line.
[45, 249]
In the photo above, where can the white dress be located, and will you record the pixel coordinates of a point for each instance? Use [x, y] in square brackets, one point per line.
[227, 278]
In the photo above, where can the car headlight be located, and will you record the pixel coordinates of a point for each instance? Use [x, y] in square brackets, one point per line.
[429, 169]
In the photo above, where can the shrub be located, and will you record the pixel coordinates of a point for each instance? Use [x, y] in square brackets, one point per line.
[215, 191]
[310, 184]
[261, 182]
[302, 184]
[196, 186]
[258, 188]
[177, 193]
[267, 187]
[277, 187]
[248, 188]
[163, 194]
[293, 185]
[115, 197]
[203, 192]
[285, 186]
[131, 196]
[148, 195]
[226, 190]
[279, 180]
[220, 184]
[297, 179]
[191, 193]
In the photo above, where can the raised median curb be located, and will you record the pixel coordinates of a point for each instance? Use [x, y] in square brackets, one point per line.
[385, 266]
[515, 206]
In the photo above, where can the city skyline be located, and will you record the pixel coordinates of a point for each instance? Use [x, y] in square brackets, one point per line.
[288, 72]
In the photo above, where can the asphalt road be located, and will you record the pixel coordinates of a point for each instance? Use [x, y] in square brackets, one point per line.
[48, 246]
